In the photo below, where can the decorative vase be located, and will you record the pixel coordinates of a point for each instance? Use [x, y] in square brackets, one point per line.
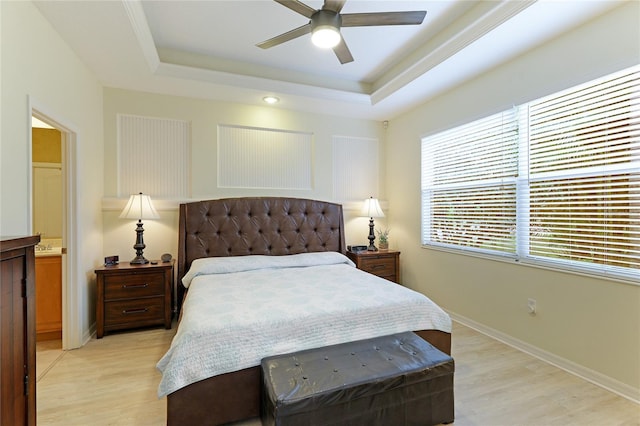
[383, 246]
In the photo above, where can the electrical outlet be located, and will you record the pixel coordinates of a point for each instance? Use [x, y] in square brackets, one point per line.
[531, 306]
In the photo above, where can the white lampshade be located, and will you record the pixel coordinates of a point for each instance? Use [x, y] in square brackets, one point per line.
[139, 206]
[326, 36]
[371, 208]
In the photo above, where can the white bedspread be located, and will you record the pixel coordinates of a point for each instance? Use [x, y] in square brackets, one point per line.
[239, 310]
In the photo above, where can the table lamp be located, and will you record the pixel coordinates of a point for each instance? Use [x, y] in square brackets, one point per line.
[371, 209]
[139, 207]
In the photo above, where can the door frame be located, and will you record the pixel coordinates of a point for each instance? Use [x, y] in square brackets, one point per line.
[71, 328]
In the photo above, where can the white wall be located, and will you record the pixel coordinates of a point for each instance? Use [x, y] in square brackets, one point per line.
[589, 325]
[161, 236]
[38, 67]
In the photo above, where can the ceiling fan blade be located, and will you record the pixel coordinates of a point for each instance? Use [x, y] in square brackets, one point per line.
[297, 6]
[342, 52]
[290, 35]
[383, 18]
[334, 5]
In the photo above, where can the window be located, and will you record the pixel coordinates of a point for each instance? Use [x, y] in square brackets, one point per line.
[257, 158]
[555, 181]
[153, 156]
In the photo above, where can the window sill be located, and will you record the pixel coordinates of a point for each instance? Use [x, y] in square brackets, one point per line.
[512, 260]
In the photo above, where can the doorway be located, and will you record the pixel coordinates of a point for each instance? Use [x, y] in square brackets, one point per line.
[64, 247]
[48, 213]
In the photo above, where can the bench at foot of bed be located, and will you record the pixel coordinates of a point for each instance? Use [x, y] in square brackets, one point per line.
[399, 379]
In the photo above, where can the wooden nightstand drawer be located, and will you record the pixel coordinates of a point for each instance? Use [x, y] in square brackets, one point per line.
[385, 264]
[133, 285]
[137, 311]
[379, 266]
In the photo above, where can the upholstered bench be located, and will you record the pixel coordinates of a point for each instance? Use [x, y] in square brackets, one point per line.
[392, 380]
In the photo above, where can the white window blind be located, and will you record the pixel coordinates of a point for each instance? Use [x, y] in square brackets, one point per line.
[154, 156]
[554, 182]
[250, 157]
[468, 187]
[585, 174]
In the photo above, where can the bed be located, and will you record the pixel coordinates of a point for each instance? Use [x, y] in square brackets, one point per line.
[279, 262]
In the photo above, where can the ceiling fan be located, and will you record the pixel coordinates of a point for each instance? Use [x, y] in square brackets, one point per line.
[325, 24]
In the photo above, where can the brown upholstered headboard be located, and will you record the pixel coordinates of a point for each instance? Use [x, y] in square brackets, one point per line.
[260, 225]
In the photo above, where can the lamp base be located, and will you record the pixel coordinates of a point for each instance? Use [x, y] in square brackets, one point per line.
[139, 246]
[371, 237]
[139, 260]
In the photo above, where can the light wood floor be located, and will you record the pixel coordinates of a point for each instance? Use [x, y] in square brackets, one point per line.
[113, 381]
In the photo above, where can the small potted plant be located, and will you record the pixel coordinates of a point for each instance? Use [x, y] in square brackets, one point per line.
[383, 239]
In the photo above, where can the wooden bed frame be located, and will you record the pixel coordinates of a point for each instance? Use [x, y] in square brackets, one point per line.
[250, 226]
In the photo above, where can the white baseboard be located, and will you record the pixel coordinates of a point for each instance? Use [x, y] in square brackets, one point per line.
[599, 379]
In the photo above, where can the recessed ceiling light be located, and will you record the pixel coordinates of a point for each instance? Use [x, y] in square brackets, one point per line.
[271, 99]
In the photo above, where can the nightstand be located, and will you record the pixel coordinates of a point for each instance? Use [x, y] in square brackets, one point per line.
[385, 264]
[131, 296]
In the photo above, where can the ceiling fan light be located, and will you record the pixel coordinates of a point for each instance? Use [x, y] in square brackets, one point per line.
[325, 36]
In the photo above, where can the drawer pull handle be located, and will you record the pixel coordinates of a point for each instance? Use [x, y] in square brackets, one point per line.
[378, 267]
[134, 311]
[145, 285]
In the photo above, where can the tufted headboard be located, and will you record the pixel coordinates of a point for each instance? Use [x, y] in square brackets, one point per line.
[259, 225]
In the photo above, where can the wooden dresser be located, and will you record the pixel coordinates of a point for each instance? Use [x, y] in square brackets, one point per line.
[131, 296]
[18, 331]
[383, 263]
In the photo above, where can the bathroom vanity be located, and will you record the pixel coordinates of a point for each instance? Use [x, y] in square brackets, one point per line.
[48, 294]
